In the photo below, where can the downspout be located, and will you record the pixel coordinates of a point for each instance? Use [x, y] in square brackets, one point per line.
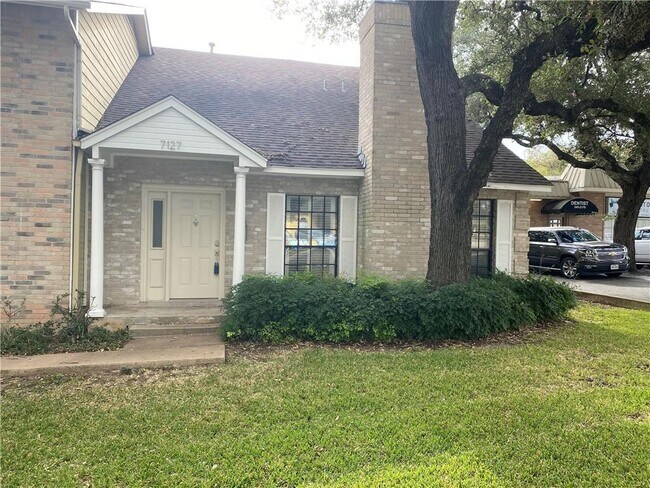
[75, 126]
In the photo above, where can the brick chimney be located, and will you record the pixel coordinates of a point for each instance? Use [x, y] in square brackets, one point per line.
[394, 221]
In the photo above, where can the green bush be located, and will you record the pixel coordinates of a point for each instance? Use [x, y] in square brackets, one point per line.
[68, 330]
[305, 307]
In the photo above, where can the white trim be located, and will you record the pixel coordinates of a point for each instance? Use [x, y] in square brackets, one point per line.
[594, 190]
[504, 235]
[270, 266]
[73, 4]
[239, 234]
[252, 157]
[144, 223]
[115, 8]
[315, 172]
[518, 187]
[110, 156]
[349, 241]
[96, 293]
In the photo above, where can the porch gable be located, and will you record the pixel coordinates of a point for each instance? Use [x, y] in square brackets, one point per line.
[170, 126]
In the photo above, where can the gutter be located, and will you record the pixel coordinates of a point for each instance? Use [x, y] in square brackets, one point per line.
[74, 151]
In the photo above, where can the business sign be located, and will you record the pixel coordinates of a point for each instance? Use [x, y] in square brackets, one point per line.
[578, 205]
[612, 207]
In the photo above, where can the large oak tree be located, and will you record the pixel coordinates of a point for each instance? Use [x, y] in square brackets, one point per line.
[592, 110]
[540, 32]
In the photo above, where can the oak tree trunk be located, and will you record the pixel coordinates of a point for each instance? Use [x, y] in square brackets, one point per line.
[629, 206]
[443, 99]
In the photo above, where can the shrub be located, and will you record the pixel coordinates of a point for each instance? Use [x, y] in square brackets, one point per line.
[68, 330]
[305, 307]
[548, 299]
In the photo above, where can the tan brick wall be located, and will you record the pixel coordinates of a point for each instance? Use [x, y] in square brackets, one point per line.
[395, 214]
[123, 202]
[537, 218]
[37, 95]
[395, 193]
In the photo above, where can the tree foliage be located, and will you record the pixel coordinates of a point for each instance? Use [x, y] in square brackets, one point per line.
[591, 109]
[538, 71]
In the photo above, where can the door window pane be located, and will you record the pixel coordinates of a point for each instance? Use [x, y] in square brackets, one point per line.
[157, 225]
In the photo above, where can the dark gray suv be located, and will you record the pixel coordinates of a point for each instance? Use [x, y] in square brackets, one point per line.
[574, 251]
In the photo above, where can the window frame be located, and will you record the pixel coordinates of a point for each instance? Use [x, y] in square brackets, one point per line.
[287, 268]
[476, 252]
[152, 223]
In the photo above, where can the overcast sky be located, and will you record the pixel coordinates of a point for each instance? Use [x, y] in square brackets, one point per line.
[247, 27]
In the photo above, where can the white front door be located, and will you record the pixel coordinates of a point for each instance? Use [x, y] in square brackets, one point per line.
[194, 238]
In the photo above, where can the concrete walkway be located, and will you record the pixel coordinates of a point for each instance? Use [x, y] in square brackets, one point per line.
[141, 352]
[629, 290]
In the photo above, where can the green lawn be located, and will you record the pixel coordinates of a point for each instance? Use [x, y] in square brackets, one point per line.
[566, 406]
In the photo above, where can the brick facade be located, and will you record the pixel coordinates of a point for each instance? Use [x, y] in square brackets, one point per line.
[394, 223]
[395, 204]
[37, 111]
[123, 202]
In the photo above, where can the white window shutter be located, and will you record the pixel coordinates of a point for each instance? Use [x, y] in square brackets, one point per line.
[275, 233]
[504, 228]
[348, 238]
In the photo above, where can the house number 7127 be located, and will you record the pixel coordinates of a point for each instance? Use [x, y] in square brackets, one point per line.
[170, 145]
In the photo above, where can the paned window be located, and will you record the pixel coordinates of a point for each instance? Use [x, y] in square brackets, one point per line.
[482, 225]
[311, 234]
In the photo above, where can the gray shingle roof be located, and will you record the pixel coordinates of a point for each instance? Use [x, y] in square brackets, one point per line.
[278, 107]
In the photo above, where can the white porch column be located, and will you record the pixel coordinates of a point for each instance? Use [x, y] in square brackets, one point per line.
[96, 293]
[239, 251]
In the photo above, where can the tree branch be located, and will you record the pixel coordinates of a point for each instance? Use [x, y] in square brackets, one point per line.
[560, 153]
[568, 38]
[480, 83]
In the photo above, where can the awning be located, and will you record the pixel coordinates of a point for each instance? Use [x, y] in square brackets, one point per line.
[575, 206]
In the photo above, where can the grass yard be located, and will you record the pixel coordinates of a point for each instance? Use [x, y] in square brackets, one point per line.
[566, 406]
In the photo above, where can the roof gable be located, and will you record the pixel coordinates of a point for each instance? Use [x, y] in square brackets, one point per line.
[147, 129]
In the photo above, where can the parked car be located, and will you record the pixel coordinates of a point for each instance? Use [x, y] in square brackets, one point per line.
[574, 251]
[642, 246]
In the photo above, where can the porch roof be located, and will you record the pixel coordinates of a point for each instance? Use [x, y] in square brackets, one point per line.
[148, 129]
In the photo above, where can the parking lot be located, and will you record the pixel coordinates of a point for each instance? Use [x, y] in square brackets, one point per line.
[629, 286]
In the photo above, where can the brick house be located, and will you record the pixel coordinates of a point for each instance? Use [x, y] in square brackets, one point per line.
[596, 195]
[156, 175]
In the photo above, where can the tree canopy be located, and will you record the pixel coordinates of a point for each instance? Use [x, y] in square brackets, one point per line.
[559, 73]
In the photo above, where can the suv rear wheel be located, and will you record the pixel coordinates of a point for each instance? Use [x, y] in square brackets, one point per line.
[569, 268]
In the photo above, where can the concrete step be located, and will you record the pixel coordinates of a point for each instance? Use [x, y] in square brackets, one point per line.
[150, 330]
[161, 320]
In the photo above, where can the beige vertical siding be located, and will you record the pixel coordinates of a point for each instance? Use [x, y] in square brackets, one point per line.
[109, 52]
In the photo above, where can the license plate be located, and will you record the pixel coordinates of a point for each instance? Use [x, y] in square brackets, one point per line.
[614, 266]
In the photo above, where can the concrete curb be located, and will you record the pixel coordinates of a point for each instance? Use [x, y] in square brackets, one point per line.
[613, 301]
[96, 368]
[147, 352]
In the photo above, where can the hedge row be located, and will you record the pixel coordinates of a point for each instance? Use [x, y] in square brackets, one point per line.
[305, 307]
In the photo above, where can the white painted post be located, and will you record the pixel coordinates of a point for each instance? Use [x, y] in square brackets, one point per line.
[239, 251]
[96, 294]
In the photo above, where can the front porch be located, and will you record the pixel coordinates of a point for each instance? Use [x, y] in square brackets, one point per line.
[167, 217]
